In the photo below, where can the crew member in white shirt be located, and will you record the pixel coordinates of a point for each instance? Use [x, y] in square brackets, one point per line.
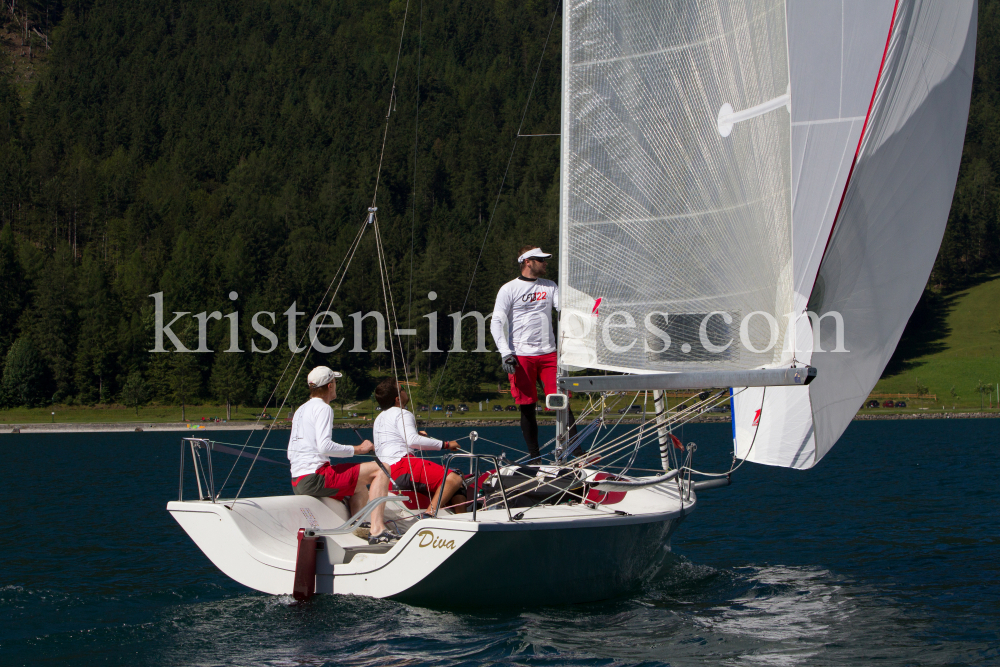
[311, 446]
[396, 438]
[529, 354]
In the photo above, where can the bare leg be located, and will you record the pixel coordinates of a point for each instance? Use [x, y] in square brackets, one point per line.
[380, 489]
[457, 503]
[366, 474]
[452, 483]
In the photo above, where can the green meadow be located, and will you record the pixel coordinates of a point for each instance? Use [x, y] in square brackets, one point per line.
[951, 347]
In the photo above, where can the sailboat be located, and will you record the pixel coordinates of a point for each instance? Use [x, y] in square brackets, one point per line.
[751, 200]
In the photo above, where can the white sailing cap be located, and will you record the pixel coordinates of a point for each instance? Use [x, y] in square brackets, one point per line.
[321, 376]
[534, 252]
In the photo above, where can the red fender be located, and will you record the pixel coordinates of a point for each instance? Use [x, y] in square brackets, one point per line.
[305, 567]
[604, 497]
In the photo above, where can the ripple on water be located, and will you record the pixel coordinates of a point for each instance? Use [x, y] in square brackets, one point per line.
[897, 565]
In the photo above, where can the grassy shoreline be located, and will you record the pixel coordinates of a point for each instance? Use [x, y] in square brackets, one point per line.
[456, 422]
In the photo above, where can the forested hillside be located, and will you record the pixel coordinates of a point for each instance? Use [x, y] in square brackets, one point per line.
[203, 148]
[200, 148]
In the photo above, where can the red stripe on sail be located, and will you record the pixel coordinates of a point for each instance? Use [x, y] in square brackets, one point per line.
[864, 127]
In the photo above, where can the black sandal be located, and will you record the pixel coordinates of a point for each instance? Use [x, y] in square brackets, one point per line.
[385, 537]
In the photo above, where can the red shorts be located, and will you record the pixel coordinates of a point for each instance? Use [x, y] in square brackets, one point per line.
[529, 370]
[329, 481]
[420, 475]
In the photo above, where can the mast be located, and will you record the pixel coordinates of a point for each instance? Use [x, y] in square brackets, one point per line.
[562, 416]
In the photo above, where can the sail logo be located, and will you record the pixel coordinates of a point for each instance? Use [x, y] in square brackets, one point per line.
[597, 304]
[531, 297]
[428, 539]
[756, 418]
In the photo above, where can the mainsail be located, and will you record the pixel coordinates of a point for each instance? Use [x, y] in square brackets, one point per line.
[672, 206]
[730, 165]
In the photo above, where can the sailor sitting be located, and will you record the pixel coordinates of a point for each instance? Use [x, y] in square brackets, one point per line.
[396, 436]
[311, 445]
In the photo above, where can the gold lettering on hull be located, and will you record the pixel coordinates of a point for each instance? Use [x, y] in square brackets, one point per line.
[428, 539]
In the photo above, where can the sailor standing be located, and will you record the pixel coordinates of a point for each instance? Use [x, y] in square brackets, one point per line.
[528, 351]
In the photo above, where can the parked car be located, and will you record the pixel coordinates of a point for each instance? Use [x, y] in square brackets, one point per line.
[539, 408]
[449, 407]
[423, 408]
[511, 408]
[438, 408]
[888, 404]
[633, 409]
[497, 407]
[900, 404]
[462, 407]
[872, 404]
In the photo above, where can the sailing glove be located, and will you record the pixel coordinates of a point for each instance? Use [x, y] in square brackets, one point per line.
[509, 364]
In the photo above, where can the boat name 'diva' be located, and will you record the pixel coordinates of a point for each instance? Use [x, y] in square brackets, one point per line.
[427, 539]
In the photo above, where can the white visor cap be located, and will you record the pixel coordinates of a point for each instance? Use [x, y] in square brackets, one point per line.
[321, 376]
[534, 252]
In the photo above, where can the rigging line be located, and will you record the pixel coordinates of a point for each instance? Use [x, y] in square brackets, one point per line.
[350, 253]
[346, 264]
[583, 414]
[606, 448]
[503, 180]
[378, 176]
[390, 311]
[392, 97]
[416, 127]
[291, 385]
[734, 468]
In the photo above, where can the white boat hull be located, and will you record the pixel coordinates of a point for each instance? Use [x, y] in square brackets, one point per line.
[553, 554]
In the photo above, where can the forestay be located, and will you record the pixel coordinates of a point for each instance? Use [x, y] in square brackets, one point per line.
[675, 192]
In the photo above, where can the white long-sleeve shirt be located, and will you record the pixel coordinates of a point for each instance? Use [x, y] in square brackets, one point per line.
[525, 306]
[311, 444]
[395, 436]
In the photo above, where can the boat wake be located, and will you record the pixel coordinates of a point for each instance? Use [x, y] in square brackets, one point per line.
[769, 614]
[689, 614]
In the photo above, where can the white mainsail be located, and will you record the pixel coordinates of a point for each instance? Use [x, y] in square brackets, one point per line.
[744, 157]
[668, 213]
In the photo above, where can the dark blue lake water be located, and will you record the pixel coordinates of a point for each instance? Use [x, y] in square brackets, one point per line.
[888, 552]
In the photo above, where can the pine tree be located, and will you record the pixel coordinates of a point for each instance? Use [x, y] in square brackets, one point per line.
[12, 289]
[51, 322]
[96, 346]
[135, 392]
[184, 380]
[24, 382]
[229, 381]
